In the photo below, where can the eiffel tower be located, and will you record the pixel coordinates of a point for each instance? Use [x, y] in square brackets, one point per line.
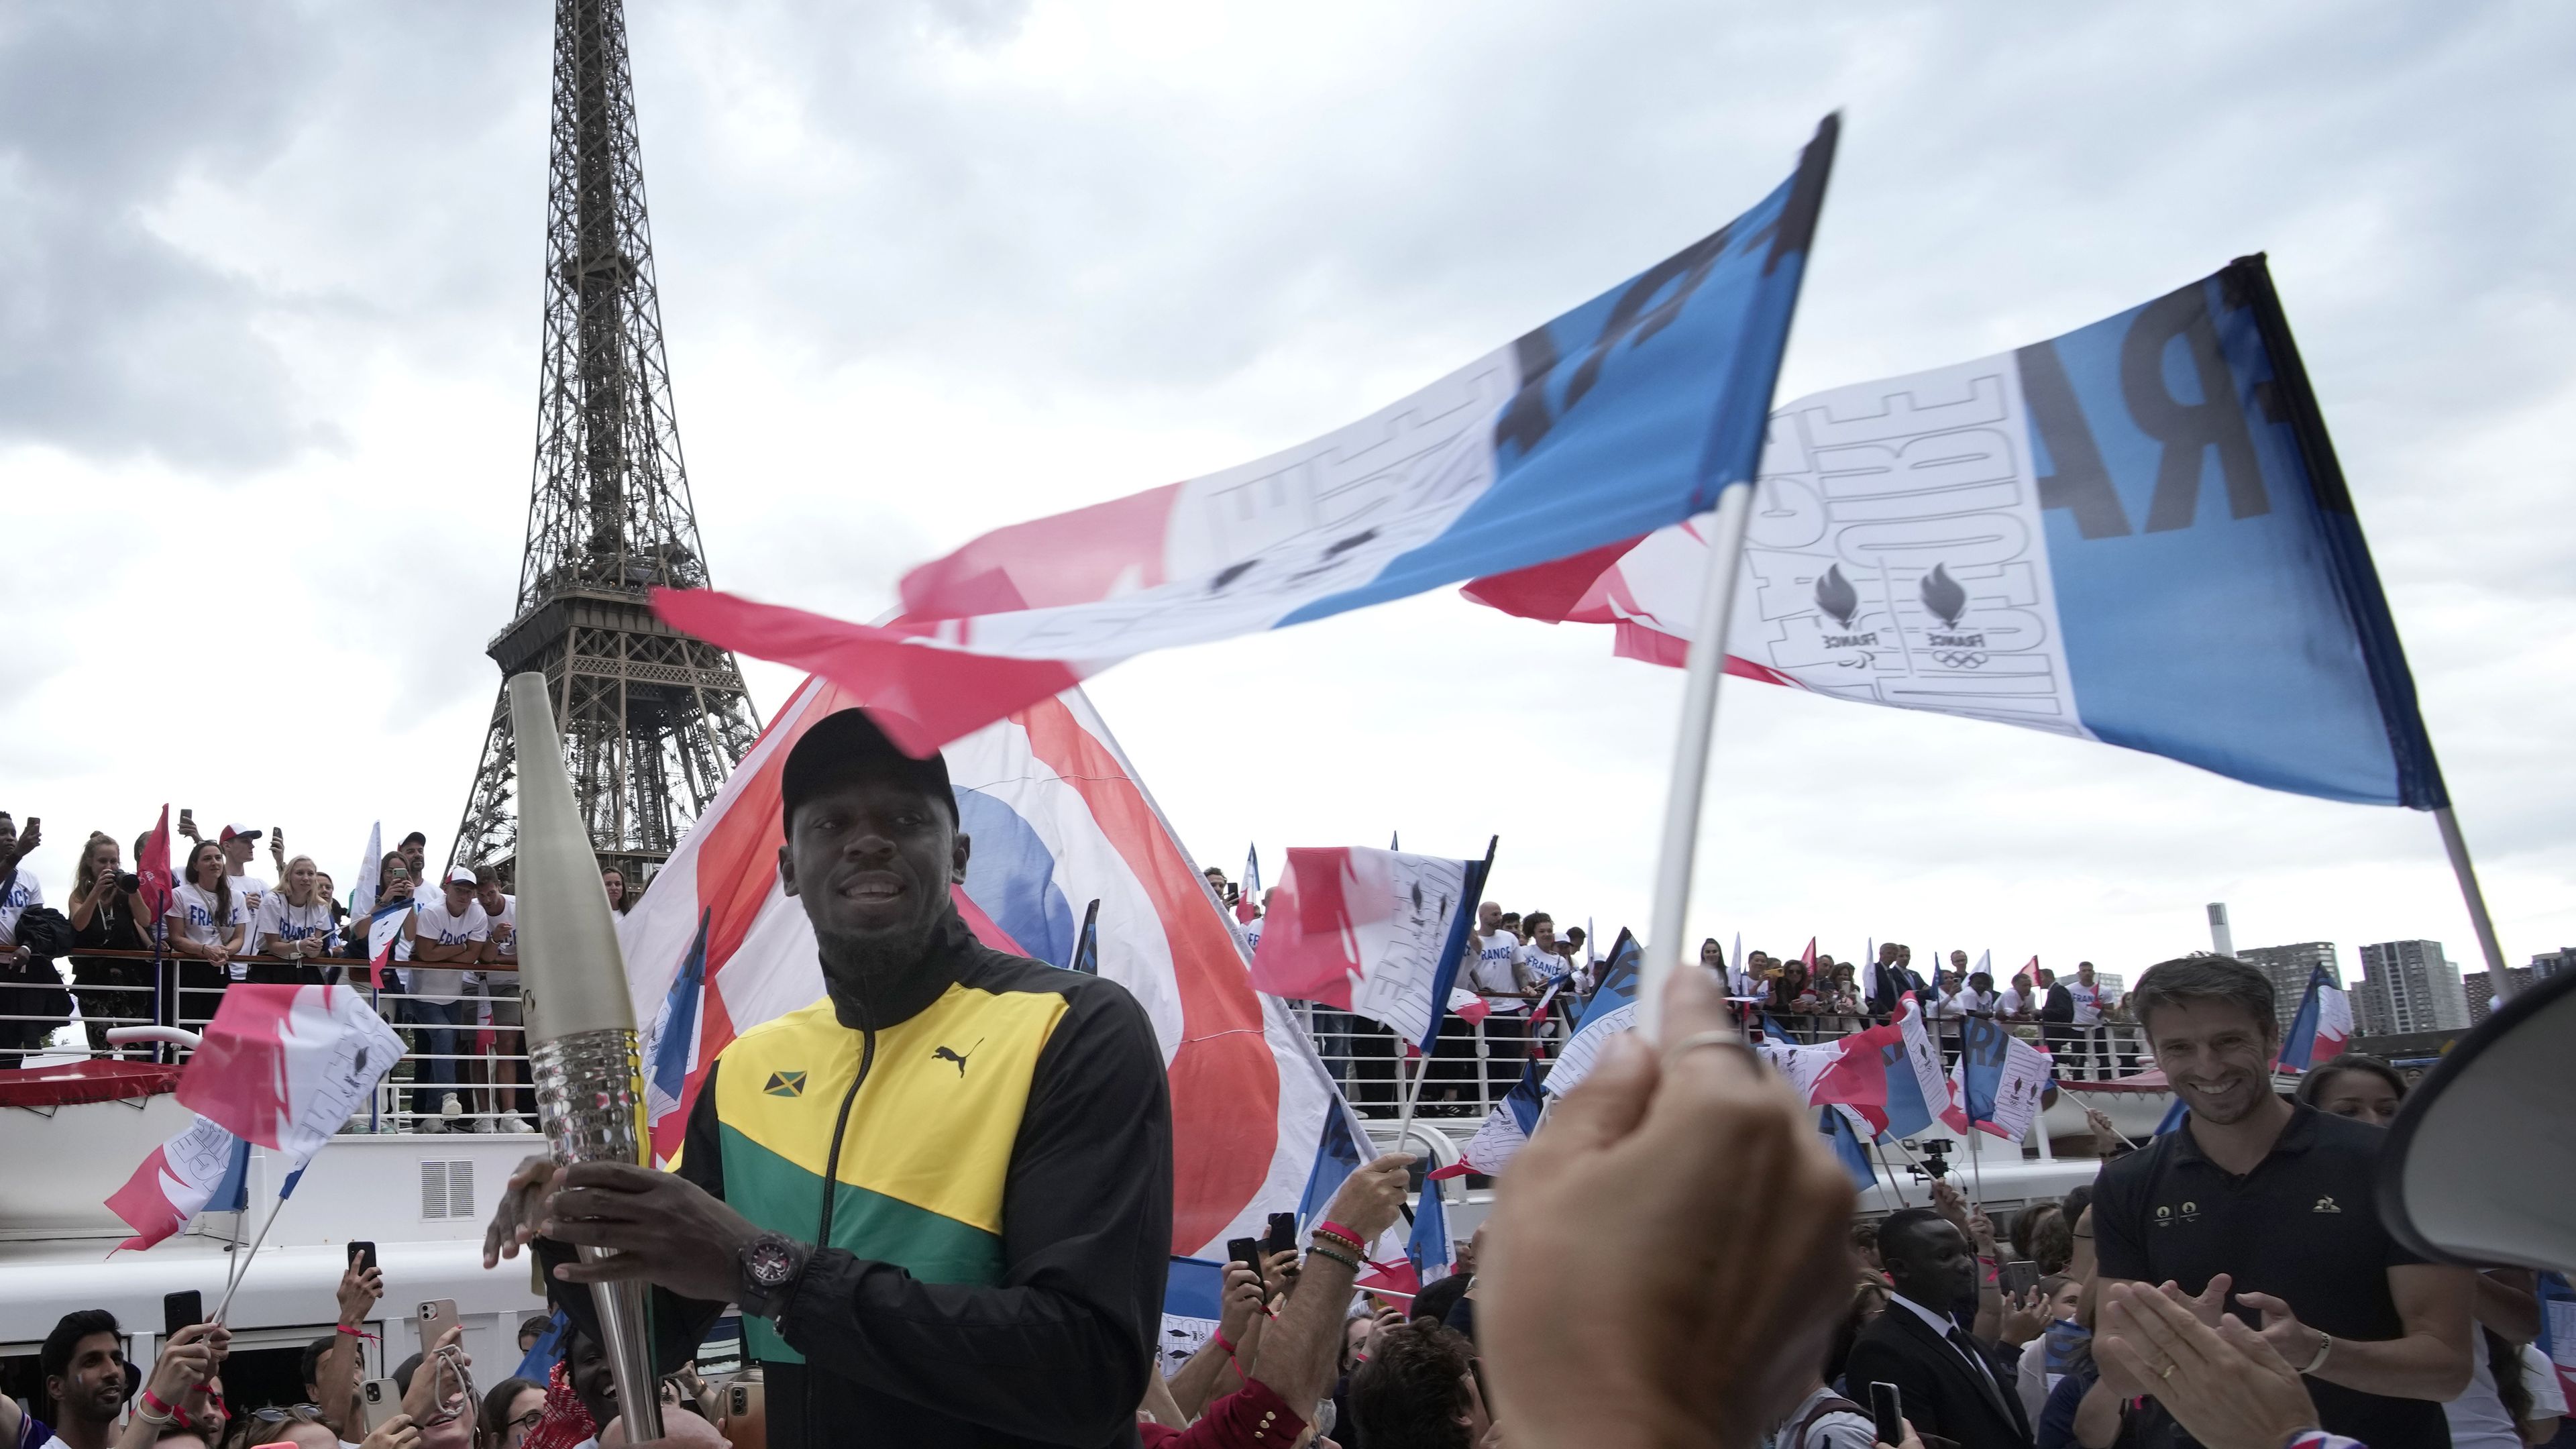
[652, 720]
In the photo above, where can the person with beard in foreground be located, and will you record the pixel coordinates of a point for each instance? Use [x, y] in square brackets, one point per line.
[987, 1268]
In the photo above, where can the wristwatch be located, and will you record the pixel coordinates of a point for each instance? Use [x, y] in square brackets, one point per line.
[771, 1264]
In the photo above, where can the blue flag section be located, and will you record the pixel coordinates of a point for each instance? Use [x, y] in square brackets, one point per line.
[1849, 1150]
[1337, 1156]
[1429, 1248]
[2219, 604]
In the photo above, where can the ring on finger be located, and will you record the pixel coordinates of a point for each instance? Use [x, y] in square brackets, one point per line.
[1726, 1037]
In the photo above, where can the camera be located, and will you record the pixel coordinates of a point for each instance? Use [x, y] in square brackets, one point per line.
[1934, 1166]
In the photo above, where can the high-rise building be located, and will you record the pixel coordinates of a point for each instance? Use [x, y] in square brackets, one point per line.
[2409, 986]
[2288, 968]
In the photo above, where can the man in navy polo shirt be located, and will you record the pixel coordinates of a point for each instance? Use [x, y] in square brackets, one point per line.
[2275, 1204]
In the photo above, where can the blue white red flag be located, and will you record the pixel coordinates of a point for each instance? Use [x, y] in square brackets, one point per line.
[1370, 931]
[671, 1041]
[1611, 1010]
[1247, 902]
[287, 1066]
[1844, 1138]
[1059, 819]
[1505, 1131]
[1193, 1303]
[181, 1179]
[1890, 1075]
[2136, 533]
[1997, 1082]
[2324, 1023]
[1629, 413]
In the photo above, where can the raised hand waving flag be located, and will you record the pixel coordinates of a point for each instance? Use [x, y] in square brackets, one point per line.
[1629, 413]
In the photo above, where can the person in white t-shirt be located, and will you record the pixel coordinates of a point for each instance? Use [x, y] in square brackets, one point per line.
[451, 927]
[293, 924]
[208, 926]
[240, 842]
[501, 991]
[2092, 1039]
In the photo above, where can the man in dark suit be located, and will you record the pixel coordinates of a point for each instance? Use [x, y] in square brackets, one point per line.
[1951, 1385]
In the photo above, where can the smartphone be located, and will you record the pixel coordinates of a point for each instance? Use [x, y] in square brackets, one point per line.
[2020, 1276]
[379, 1400]
[363, 1254]
[434, 1318]
[179, 1310]
[1887, 1412]
[1283, 1234]
[1246, 1251]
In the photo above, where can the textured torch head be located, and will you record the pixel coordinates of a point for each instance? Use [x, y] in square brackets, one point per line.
[570, 969]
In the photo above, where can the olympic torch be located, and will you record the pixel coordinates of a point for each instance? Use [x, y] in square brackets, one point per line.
[582, 1047]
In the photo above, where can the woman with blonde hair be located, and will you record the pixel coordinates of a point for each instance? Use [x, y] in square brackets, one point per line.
[294, 923]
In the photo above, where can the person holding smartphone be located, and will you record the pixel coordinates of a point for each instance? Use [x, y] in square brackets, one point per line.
[108, 913]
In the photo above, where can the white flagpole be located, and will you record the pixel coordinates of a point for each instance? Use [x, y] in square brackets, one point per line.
[2457, 847]
[1663, 945]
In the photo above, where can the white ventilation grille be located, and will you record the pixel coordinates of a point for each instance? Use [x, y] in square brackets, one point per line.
[446, 1189]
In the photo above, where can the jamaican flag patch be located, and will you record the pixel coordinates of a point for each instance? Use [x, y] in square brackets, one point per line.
[785, 1084]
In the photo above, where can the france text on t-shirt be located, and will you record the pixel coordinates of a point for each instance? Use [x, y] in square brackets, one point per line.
[432, 925]
[281, 921]
[1493, 968]
[23, 892]
[2089, 1001]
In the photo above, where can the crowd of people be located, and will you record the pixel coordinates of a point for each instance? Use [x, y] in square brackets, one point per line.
[2229, 1284]
[451, 985]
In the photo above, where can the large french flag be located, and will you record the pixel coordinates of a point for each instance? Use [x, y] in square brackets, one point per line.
[2136, 533]
[2324, 1023]
[1627, 414]
[1059, 820]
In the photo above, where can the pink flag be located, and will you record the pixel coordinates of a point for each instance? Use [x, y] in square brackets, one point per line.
[174, 1183]
[286, 1066]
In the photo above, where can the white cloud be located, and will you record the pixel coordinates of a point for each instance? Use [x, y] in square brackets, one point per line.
[929, 269]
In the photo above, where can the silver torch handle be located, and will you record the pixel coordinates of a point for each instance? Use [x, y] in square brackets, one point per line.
[590, 1098]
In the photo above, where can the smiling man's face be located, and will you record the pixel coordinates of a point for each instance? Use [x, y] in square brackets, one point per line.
[871, 857]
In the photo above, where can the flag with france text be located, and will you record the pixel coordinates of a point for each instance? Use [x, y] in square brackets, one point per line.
[2136, 533]
[1631, 412]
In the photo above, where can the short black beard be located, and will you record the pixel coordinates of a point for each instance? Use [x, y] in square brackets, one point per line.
[879, 978]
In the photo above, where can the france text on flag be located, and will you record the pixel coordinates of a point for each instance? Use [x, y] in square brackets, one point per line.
[1627, 414]
[1059, 819]
[1506, 1130]
[2136, 533]
[1370, 931]
[287, 1066]
[1612, 1010]
[204, 1166]
[1996, 1083]
[2324, 1023]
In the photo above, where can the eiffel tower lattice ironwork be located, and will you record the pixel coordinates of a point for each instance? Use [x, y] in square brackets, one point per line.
[652, 720]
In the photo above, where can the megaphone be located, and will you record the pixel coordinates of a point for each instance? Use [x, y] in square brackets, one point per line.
[2480, 1168]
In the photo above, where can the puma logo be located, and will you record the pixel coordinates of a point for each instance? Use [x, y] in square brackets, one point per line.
[951, 1054]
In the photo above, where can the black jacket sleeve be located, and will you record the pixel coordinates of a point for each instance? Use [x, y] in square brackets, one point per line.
[1087, 1226]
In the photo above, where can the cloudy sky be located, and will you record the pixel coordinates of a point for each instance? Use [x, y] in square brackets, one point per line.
[269, 334]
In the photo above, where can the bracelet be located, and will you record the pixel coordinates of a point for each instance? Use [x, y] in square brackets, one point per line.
[2325, 1345]
[1317, 1250]
[1332, 1229]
